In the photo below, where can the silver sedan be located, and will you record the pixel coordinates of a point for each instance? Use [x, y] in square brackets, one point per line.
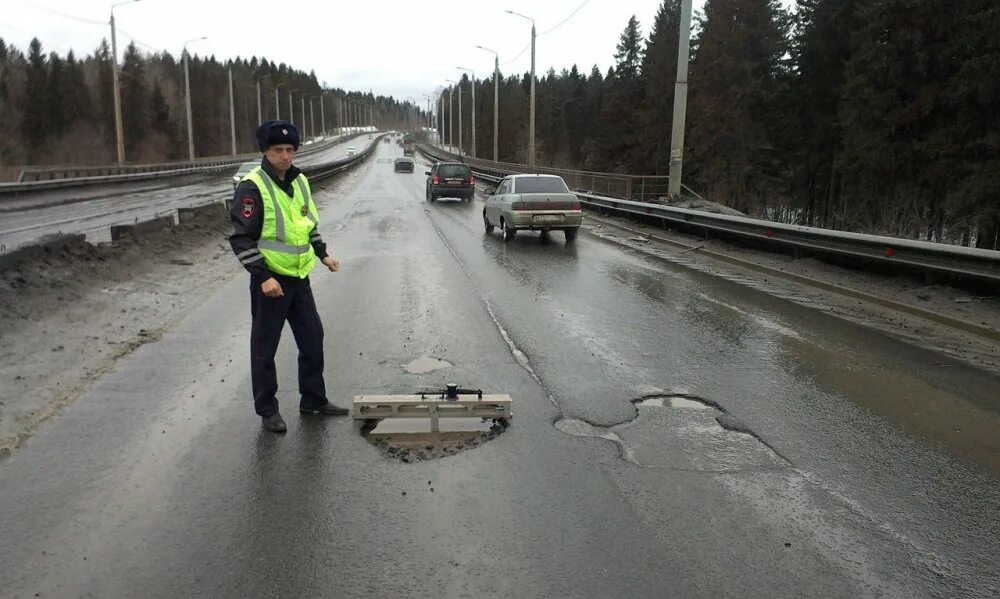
[535, 203]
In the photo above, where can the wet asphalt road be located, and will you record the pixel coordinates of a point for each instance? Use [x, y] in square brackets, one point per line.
[864, 467]
[124, 203]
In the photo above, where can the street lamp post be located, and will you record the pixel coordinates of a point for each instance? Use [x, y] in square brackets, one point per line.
[496, 102]
[531, 118]
[232, 110]
[277, 101]
[312, 115]
[430, 125]
[322, 113]
[260, 115]
[187, 95]
[459, 86]
[302, 101]
[119, 129]
[473, 74]
[291, 106]
[680, 101]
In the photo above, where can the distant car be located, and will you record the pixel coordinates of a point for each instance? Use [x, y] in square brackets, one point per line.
[245, 168]
[450, 180]
[532, 202]
[403, 164]
[369, 137]
[351, 150]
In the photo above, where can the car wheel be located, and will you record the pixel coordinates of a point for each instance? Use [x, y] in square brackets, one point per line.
[487, 224]
[571, 234]
[508, 233]
[433, 197]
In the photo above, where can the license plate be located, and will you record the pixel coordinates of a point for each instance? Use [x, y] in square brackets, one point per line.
[548, 218]
[454, 181]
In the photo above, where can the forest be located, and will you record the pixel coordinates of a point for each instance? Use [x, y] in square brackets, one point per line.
[873, 116]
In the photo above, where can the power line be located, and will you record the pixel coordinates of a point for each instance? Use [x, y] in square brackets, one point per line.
[65, 15]
[563, 22]
[138, 42]
[519, 54]
[549, 30]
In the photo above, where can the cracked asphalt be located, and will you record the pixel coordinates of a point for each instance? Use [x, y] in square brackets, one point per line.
[810, 457]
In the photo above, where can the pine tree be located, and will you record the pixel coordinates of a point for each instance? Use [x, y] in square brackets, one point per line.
[56, 120]
[33, 109]
[821, 47]
[576, 116]
[659, 72]
[102, 55]
[734, 85]
[973, 90]
[76, 99]
[8, 111]
[135, 100]
[620, 125]
[899, 147]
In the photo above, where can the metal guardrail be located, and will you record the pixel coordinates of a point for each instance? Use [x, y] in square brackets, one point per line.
[323, 171]
[139, 172]
[620, 185]
[920, 256]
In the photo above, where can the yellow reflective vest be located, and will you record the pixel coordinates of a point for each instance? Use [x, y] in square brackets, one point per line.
[288, 222]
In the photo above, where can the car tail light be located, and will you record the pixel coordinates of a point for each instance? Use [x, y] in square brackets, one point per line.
[435, 180]
[574, 205]
[472, 179]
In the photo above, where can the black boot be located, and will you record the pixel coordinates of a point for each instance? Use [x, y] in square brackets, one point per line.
[327, 409]
[274, 423]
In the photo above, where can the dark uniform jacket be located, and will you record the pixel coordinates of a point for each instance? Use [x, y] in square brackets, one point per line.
[247, 214]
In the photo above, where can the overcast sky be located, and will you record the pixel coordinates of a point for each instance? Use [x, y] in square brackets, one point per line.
[392, 47]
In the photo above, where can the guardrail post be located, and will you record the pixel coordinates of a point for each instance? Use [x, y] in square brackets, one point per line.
[642, 189]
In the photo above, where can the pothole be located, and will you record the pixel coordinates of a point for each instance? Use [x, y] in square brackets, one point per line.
[411, 439]
[426, 364]
[674, 401]
[682, 431]
[580, 428]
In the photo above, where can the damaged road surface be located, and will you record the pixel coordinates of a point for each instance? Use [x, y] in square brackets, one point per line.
[676, 435]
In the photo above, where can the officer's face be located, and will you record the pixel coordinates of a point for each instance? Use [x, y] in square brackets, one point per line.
[280, 156]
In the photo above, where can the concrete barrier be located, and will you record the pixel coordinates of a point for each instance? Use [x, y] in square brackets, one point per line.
[215, 209]
[139, 229]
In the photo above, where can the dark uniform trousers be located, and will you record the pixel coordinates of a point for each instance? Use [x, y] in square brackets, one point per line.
[298, 307]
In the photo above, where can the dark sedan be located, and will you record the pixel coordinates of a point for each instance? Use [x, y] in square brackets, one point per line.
[403, 164]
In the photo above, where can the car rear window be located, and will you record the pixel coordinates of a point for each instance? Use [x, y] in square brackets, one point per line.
[540, 185]
[453, 170]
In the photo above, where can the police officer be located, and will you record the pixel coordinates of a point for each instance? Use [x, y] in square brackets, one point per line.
[276, 238]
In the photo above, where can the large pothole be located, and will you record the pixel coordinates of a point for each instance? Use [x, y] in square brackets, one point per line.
[682, 431]
[411, 439]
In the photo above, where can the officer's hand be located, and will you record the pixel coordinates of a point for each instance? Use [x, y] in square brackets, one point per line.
[271, 288]
[332, 264]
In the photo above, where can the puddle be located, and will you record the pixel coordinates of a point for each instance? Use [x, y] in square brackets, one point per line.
[426, 364]
[411, 439]
[675, 401]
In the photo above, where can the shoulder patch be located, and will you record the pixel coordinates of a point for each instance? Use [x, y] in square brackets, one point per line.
[248, 207]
